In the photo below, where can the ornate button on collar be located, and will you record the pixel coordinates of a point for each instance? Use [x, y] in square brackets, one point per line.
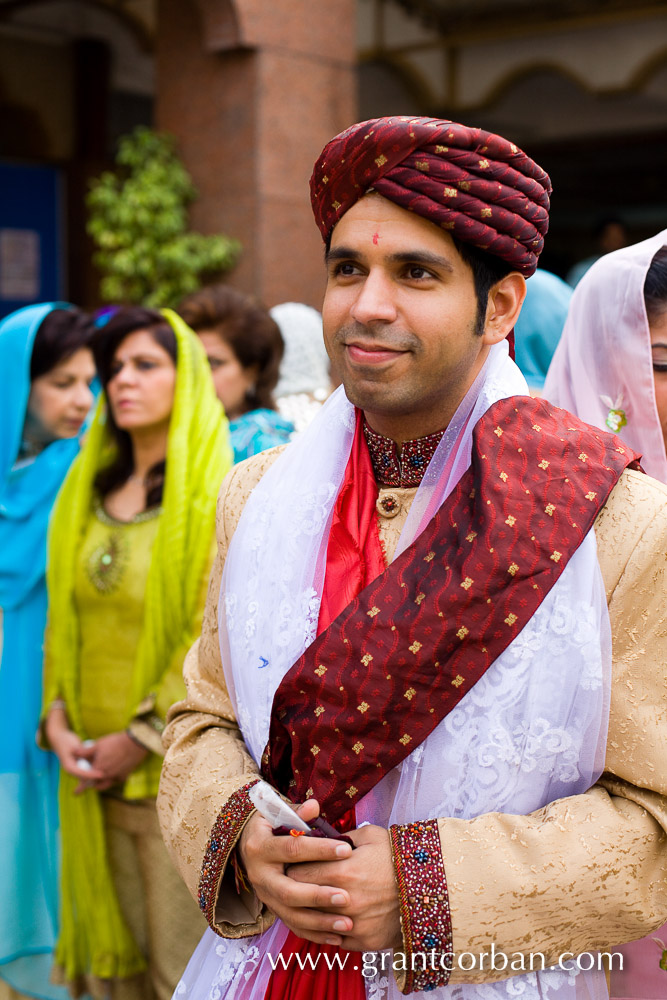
[388, 505]
[400, 470]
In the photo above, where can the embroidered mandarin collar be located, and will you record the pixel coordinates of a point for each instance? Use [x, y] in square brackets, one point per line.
[404, 469]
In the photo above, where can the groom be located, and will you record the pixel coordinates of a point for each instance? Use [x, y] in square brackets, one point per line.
[430, 229]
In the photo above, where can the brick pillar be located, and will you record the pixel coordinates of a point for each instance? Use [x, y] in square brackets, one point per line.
[253, 90]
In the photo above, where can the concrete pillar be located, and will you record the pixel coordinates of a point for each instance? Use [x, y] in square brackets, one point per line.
[253, 90]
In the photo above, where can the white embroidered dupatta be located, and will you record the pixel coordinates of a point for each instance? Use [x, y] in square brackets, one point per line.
[532, 730]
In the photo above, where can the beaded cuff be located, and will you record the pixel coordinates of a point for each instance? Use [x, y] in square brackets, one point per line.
[424, 902]
[224, 835]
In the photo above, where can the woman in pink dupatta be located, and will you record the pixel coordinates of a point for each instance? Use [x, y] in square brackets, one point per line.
[610, 369]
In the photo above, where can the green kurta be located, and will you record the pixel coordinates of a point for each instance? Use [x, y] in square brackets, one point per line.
[94, 936]
[109, 591]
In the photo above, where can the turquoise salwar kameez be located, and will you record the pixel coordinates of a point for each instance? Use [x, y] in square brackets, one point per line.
[28, 775]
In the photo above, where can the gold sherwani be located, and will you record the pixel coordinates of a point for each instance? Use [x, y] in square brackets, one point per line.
[584, 873]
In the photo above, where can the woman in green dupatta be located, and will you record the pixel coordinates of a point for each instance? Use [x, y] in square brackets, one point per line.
[131, 546]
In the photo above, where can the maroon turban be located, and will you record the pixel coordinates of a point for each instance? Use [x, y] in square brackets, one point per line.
[477, 185]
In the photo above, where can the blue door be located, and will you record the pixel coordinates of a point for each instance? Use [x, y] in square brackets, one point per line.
[31, 235]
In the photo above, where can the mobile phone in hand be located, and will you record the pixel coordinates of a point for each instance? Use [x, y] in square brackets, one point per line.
[279, 813]
[284, 819]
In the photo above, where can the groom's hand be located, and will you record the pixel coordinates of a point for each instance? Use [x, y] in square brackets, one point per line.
[366, 876]
[313, 910]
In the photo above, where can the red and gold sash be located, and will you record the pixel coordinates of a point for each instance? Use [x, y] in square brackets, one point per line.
[406, 649]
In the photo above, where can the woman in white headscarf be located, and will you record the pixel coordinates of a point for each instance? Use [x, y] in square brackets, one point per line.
[610, 368]
[304, 383]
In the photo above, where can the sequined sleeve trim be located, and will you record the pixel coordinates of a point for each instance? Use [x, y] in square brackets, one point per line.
[225, 833]
[424, 905]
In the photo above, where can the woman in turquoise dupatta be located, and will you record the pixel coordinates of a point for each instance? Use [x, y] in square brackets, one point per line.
[539, 327]
[40, 422]
[244, 348]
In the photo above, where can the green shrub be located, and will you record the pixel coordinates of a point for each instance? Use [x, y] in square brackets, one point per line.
[138, 218]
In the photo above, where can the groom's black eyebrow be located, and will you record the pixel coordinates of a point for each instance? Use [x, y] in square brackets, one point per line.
[424, 258]
[341, 253]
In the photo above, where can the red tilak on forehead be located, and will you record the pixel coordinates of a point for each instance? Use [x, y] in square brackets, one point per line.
[376, 237]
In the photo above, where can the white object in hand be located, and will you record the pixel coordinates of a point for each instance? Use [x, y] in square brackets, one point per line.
[268, 804]
[81, 762]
